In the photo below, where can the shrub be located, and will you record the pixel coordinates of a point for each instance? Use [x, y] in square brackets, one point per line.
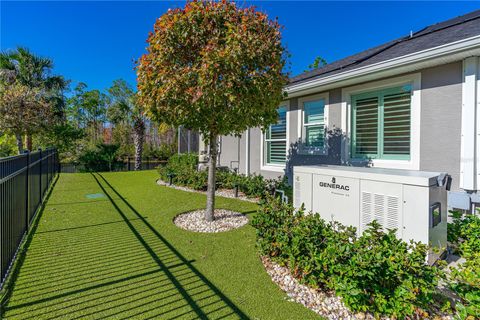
[184, 170]
[386, 275]
[273, 225]
[375, 272]
[183, 167]
[464, 234]
[101, 158]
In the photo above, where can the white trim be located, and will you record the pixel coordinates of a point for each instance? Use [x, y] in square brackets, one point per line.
[477, 129]
[415, 81]
[453, 51]
[274, 167]
[247, 152]
[467, 144]
[301, 115]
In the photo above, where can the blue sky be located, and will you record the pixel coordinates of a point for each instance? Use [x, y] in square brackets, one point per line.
[97, 42]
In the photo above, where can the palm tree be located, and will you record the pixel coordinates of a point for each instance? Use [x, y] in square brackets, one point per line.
[123, 108]
[32, 71]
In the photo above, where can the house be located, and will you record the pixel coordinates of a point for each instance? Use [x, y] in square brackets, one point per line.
[410, 103]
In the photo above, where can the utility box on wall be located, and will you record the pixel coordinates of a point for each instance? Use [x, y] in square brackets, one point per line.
[413, 202]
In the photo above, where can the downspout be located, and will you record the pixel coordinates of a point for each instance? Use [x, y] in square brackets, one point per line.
[247, 152]
[238, 153]
[477, 127]
[469, 143]
[179, 132]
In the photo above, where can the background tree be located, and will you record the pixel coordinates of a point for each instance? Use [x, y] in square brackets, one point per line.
[87, 109]
[317, 63]
[7, 144]
[124, 109]
[65, 137]
[24, 68]
[22, 110]
[215, 68]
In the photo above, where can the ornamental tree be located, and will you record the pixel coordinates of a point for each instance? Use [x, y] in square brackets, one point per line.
[215, 68]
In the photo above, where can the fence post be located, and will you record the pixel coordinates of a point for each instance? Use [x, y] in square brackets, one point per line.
[40, 172]
[55, 162]
[49, 167]
[128, 163]
[27, 183]
[47, 159]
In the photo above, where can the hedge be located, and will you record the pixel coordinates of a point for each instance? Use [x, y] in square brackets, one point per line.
[374, 272]
[464, 235]
[183, 168]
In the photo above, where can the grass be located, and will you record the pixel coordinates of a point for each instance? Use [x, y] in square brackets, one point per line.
[120, 257]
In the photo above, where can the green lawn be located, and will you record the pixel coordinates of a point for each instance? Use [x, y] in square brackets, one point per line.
[120, 256]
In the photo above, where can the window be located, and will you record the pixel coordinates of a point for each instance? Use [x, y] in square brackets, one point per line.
[313, 129]
[381, 124]
[276, 139]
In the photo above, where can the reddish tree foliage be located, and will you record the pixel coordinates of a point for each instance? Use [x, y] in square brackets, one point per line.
[213, 67]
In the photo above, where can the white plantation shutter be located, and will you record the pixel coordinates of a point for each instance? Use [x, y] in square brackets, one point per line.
[366, 126]
[314, 123]
[396, 124]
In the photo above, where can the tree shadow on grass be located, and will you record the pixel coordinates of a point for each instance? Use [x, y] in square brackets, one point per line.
[113, 270]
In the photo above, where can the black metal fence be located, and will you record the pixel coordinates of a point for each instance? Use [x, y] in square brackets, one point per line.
[127, 164]
[24, 181]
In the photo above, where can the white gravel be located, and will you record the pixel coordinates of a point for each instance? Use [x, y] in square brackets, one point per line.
[326, 304]
[224, 220]
[227, 193]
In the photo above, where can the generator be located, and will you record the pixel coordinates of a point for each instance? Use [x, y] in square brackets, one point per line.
[412, 202]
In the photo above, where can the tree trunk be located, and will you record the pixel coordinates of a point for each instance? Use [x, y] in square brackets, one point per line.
[212, 162]
[138, 137]
[19, 139]
[28, 142]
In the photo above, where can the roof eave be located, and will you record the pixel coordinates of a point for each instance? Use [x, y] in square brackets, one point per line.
[446, 53]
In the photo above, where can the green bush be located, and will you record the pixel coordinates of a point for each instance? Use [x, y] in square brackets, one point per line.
[386, 275]
[464, 235]
[183, 167]
[375, 272]
[102, 158]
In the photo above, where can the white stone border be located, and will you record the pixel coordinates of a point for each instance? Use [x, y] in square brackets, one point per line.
[326, 304]
[224, 220]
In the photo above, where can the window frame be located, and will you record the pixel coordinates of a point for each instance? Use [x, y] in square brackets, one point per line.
[380, 95]
[277, 167]
[303, 148]
[346, 106]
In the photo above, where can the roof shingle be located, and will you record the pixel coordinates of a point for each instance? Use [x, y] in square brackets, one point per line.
[452, 30]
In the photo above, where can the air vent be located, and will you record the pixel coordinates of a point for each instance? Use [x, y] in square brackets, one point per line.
[384, 208]
[379, 208]
[366, 210]
[393, 214]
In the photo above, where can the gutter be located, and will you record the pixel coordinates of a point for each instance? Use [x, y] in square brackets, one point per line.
[462, 46]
